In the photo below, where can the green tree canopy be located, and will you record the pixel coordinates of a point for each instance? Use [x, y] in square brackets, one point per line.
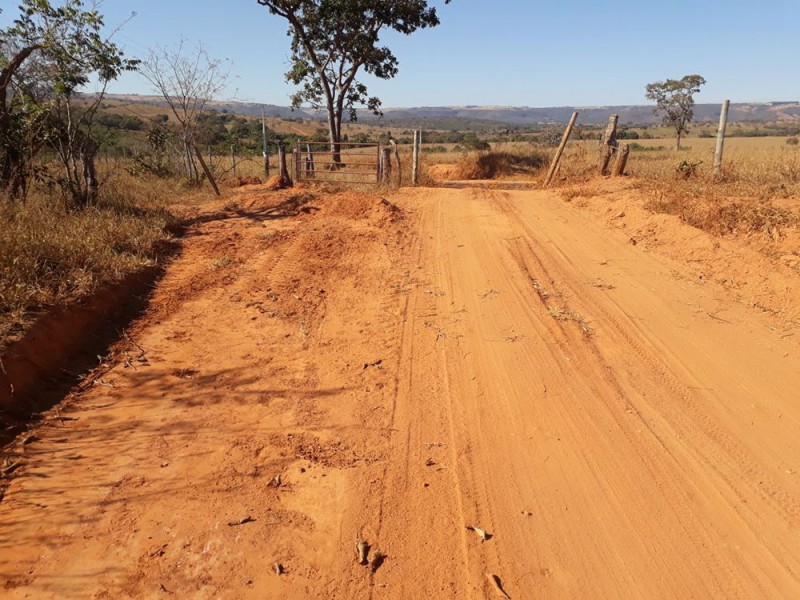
[674, 98]
[48, 53]
[333, 40]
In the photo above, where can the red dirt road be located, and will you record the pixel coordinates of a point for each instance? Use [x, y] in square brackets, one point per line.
[621, 426]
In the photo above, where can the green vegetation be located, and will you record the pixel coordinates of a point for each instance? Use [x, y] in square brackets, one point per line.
[46, 55]
[333, 40]
[674, 99]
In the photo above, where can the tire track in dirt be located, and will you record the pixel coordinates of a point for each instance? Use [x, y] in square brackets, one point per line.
[581, 432]
[717, 449]
[710, 444]
[611, 392]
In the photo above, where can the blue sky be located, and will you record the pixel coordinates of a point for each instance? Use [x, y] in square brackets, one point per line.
[508, 52]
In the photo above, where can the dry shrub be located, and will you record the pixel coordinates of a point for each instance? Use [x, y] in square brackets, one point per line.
[497, 164]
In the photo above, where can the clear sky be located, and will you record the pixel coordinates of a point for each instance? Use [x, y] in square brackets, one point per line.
[507, 52]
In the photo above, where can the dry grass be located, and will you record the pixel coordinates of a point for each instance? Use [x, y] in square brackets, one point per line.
[724, 216]
[757, 171]
[51, 256]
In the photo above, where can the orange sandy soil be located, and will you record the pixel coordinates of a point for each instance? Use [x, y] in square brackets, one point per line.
[611, 395]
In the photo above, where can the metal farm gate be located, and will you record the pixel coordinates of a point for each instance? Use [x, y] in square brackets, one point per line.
[358, 163]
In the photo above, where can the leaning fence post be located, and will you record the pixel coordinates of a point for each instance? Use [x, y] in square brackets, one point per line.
[608, 144]
[206, 169]
[723, 125]
[557, 158]
[622, 160]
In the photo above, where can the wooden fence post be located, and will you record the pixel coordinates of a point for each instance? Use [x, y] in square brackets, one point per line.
[386, 163]
[310, 168]
[723, 125]
[415, 158]
[206, 170]
[622, 160]
[284, 170]
[265, 150]
[608, 144]
[396, 153]
[233, 159]
[557, 158]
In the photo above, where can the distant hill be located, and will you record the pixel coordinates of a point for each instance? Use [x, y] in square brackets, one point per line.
[635, 115]
[238, 108]
[509, 115]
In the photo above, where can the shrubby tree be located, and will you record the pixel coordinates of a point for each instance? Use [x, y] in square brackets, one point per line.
[47, 55]
[333, 40]
[674, 99]
[187, 78]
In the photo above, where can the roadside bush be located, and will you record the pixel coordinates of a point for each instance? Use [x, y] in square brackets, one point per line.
[792, 141]
[627, 134]
[636, 147]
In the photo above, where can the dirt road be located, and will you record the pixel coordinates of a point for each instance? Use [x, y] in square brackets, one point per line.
[616, 424]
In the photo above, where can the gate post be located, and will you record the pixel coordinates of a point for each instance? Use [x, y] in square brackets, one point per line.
[310, 168]
[284, 170]
[387, 165]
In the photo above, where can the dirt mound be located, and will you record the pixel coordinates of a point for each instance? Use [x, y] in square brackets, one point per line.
[494, 165]
[276, 182]
[393, 212]
[747, 247]
[443, 172]
[243, 181]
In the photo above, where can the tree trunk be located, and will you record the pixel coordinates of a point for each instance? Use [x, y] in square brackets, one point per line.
[91, 185]
[678, 142]
[13, 163]
[334, 131]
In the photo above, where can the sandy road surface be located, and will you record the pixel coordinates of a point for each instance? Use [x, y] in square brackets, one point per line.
[503, 360]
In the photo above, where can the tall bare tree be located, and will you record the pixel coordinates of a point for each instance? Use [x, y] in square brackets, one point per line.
[333, 40]
[674, 98]
[187, 78]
